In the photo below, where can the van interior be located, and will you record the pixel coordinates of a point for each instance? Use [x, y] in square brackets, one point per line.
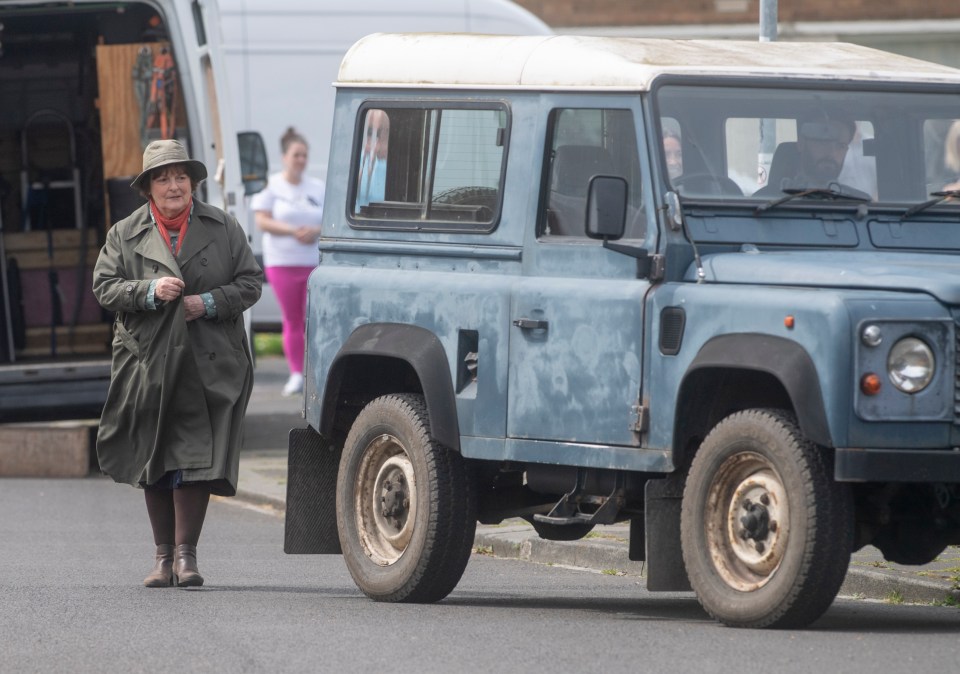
[84, 88]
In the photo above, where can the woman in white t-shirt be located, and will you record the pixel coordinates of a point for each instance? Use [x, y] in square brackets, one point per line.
[289, 211]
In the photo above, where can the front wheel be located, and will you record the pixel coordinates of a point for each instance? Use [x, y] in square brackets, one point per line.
[766, 533]
[406, 512]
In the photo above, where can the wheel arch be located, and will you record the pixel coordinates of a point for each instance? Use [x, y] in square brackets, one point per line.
[381, 358]
[765, 370]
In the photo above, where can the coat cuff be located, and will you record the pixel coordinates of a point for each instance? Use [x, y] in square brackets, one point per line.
[152, 302]
[209, 304]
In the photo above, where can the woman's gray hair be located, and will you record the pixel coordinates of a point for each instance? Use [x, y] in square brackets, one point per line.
[144, 185]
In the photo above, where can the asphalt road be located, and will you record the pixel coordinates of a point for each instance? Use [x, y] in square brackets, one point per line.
[73, 554]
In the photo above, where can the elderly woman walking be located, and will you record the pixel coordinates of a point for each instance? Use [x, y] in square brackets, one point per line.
[179, 275]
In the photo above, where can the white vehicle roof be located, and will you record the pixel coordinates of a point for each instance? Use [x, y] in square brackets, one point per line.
[569, 62]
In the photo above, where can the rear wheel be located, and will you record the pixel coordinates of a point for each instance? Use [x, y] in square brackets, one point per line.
[766, 532]
[406, 512]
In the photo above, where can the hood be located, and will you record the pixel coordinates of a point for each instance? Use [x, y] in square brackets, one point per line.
[936, 275]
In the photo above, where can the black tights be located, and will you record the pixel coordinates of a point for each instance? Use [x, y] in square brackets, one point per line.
[177, 515]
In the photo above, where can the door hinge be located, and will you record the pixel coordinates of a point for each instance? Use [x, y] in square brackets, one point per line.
[658, 264]
[640, 418]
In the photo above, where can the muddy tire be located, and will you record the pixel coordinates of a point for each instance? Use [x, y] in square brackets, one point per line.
[406, 510]
[766, 532]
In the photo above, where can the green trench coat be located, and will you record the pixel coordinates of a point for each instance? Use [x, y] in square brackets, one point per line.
[178, 390]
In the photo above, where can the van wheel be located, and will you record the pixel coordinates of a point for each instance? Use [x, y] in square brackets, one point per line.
[406, 510]
[766, 533]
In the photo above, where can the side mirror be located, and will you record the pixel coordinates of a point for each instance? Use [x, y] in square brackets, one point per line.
[253, 161]
[606, 207]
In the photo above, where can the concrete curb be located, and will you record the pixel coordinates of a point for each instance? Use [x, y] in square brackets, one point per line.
[600, 555]
[896, 588]
[260, 500]
[606, 556]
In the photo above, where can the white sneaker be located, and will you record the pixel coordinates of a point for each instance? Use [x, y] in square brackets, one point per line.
[294, 385]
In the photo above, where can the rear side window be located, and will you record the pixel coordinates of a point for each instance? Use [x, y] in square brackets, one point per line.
[430, 168]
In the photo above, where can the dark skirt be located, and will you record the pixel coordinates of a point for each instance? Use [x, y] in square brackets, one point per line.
[173, 479]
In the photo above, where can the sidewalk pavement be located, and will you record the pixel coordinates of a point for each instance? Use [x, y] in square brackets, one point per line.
[263, 482]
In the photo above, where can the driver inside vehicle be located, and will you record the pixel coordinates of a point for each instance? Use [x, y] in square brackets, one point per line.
[673, 153]
[816, 159]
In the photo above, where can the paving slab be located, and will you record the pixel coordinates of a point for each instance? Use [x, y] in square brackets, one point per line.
[47, 448]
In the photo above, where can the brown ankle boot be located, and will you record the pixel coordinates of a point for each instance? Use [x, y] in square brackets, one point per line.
[162, 574]
[185, 572]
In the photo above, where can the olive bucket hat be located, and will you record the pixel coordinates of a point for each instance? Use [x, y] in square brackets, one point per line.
[163, 153]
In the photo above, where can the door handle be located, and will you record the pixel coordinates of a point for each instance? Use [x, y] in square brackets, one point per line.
[531, 324]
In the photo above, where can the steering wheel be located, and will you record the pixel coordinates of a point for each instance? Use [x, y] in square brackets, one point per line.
[701, 184]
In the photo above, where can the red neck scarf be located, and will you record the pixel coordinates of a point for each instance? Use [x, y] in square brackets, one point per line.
[177, 223]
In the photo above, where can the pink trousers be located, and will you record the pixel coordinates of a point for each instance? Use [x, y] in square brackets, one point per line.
[290, 286]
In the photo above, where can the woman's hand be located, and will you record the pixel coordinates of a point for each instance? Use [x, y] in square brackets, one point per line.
[168, 288]
[307, 234]
[193, 307]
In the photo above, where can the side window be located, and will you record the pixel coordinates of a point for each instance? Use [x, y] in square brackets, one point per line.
[584, 143]
[439, 165]
[942, 154]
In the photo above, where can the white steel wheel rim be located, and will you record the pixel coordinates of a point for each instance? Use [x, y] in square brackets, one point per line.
[386, 500]
[747, 521]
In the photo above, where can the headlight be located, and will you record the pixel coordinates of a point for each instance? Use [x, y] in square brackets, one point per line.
[910, 365]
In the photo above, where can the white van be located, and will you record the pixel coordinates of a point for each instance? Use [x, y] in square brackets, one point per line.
[284, 55]
[85, 85]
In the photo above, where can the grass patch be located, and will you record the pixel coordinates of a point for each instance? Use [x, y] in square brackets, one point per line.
[612, 572]
[895, 597]
[949, 600]
[483, 550]
[268, 344]
[609, 537]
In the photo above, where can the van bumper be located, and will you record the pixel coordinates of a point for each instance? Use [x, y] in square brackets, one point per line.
[855, 464]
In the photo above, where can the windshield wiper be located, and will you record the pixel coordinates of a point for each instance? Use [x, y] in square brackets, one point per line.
[827, 193]
[938, 198]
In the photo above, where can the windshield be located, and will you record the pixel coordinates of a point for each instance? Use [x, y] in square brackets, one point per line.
[752, 143]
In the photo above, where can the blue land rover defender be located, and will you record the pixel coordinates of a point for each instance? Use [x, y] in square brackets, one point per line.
[709, 288]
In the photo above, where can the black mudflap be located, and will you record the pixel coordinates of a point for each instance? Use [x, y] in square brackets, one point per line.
[311, 522]
[665, 568]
